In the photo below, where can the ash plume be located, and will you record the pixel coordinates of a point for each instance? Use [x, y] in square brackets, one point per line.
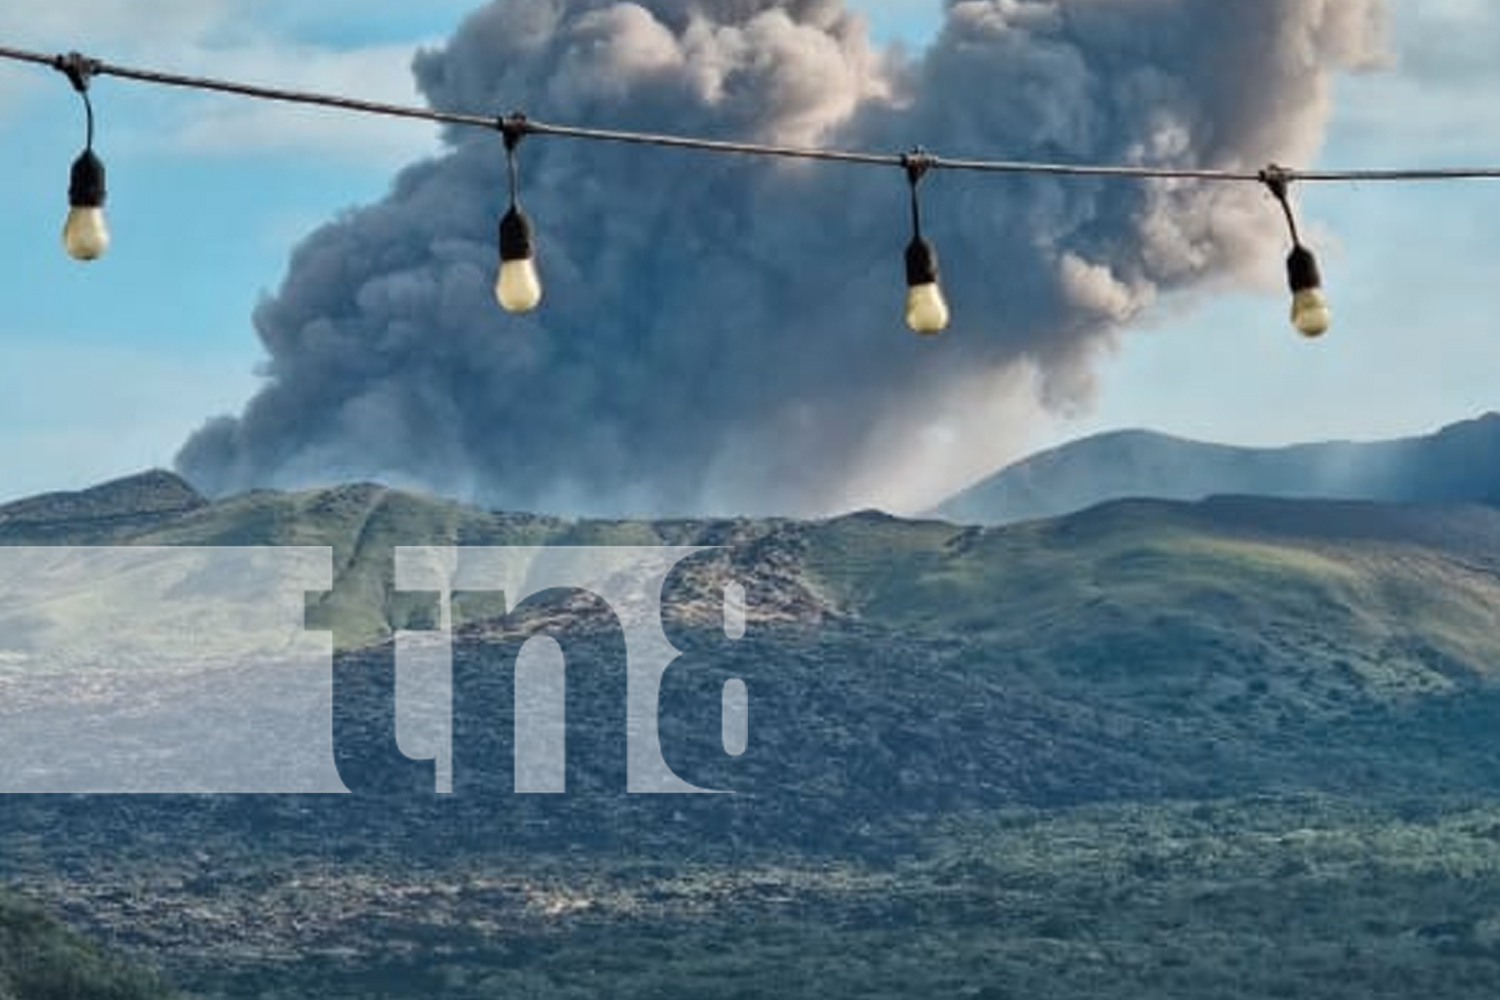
[724, 335]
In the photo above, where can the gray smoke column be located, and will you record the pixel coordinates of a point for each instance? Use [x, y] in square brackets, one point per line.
[725, 335]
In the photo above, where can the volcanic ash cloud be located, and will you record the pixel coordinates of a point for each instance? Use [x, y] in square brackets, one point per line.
[724, 335]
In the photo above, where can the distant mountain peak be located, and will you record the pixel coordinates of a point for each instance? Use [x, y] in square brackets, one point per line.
[1459, 463]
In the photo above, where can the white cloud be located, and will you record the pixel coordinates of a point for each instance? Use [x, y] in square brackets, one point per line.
[254, 41]
[219, 124]
[135, 27]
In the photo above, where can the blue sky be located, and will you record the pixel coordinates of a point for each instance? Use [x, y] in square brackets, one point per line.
[108, 367]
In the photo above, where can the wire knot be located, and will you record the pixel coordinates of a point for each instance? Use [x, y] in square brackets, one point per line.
[1277, 179]
[78, 68]
[917, 163]
[514, 127]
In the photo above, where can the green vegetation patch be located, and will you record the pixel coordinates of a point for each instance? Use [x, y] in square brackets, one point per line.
[42, 960]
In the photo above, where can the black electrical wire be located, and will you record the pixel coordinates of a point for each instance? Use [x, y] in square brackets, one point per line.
[73, 63]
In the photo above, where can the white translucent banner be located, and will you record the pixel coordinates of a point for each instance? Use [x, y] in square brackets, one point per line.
[164, 670]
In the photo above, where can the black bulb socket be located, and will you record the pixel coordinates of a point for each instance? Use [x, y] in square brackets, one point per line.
[86, 186]
[921, 263]
[1302, 270]
[515, 236]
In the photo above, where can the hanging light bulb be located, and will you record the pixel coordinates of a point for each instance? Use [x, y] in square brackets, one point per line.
[85, 233]
[1310, 313]
[926, 307]
[518, 287]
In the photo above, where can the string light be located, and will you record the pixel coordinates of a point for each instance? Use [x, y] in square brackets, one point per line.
[926, 308]
[518, 287]
[1310, 313]
[85, 234]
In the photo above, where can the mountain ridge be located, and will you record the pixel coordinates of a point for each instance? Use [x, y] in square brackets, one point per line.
[1459, 462]
[135, 501]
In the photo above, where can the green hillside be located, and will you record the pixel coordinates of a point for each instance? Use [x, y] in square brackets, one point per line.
[1238, 748]
[1146, 599]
